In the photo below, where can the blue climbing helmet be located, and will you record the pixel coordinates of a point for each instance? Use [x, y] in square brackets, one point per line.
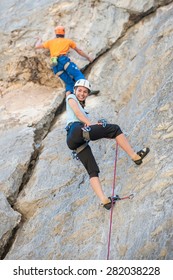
[83, 83]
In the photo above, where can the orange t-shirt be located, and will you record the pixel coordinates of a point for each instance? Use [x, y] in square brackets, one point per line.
[59, 46]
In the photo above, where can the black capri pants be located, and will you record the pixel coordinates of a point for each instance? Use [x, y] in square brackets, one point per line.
[75, 140]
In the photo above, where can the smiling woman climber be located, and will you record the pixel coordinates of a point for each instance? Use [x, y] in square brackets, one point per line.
[80, 131]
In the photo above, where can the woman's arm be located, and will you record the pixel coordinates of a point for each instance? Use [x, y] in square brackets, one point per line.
[73, 104]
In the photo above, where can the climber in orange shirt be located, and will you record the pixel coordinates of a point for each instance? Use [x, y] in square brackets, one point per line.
[60, 62]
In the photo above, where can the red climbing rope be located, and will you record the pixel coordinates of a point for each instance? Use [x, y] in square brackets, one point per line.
[113, 190]
[115, 198]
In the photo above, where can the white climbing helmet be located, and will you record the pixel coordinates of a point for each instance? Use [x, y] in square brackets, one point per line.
[83, 83]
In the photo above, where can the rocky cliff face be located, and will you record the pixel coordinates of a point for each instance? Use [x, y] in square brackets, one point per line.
[47, 209]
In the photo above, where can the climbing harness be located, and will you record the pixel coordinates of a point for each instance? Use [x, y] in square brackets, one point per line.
[116, 198]
[65, 68]
[54, 62]
[86, 137]
[78, 150]
[85, 132]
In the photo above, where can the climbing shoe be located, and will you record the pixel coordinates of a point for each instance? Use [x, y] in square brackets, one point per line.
[112, 199]
[142, 153]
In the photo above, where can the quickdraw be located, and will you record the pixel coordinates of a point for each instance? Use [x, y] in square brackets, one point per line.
[117, 197]
[103, 122]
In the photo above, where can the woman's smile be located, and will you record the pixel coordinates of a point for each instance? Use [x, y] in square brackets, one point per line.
[81, 93]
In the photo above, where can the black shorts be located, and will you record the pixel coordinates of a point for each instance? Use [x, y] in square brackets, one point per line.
[75, 140]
